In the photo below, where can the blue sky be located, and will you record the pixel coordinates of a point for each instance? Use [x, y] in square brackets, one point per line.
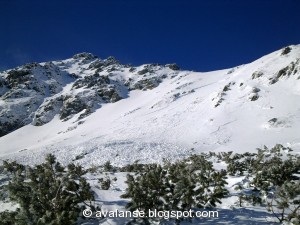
[197, 35]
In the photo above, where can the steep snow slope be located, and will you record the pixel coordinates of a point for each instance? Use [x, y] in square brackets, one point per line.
[108, 111]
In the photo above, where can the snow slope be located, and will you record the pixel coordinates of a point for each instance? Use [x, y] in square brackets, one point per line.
[176, 114]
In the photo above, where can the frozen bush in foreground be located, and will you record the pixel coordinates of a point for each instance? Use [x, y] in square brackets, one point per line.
[180, 186]
[47, 194]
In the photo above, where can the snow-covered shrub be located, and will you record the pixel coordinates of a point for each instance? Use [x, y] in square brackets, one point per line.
[105, 183]
[285, 202]
[180, 186]
[272, 169]
[276, 173]
[47, 193]
[239, 164]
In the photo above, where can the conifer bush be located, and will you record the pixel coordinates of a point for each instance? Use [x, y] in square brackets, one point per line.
[180, 186]
[105, 183]
[285, 202]
[271, 169]
[47, 194]
[276, 175]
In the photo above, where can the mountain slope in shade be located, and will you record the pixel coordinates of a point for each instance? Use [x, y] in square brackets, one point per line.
[92, 110]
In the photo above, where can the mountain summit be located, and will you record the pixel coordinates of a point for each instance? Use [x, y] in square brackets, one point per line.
[93, 110]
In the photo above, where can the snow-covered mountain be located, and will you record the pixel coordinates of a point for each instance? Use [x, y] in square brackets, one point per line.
[92, 110]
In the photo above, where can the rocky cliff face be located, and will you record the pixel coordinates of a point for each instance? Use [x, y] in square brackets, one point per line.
[104, 110]
[37, 92]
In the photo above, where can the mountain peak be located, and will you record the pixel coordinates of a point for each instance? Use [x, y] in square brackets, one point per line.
[84, 55]
[50, 105]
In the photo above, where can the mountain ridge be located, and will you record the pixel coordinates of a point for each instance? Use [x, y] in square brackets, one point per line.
[45, 83]
[88, 106]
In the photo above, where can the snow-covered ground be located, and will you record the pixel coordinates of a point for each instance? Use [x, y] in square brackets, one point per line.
[237, 109]
[229, 211]
[189, 112]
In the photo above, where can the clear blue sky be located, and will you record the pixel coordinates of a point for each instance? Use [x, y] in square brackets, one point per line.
[197, 35]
